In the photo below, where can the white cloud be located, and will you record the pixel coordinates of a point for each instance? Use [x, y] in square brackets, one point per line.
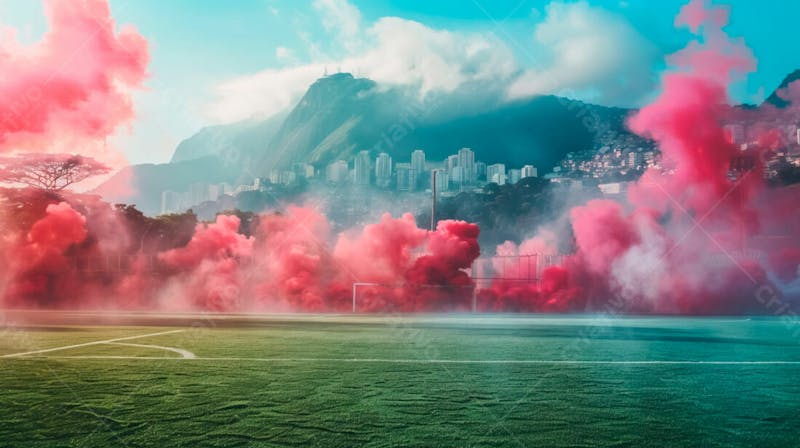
[342, 18]
[263, 94]
[590, 53]
[401, 53]
[285, 55]
[410, 53]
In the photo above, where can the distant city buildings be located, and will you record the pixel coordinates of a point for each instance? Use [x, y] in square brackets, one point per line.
[383, 170]
[406, 177]
[613, 188]
[529, 171]
[337, 172]
[362, 169]
[456, 173]
[418, 167]
[466, 166]
[609, 167]
[303, 170]
[178, 202]
[453, 172]
[172, 202]
[496, 173]
[480, 171]
[607, 163]
[442, 179]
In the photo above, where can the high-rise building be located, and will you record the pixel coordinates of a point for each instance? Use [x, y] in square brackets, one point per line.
[451, 164]
[635, 160]
[337, 172]
[529, 171]
[418, 161]
[514, 176]
[214, 192]
[171, 202]
[480, 171]
[198, 193]
[496, 173]
[288, 177]
[383, 170]
[418, 166]
[406, 177]
[303, 170]
[442, 179]
[466, 166]
[361, 174]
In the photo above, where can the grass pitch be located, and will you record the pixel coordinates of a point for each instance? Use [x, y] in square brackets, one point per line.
[329, 381]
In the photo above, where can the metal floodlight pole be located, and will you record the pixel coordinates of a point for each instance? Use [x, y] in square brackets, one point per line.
[433, 200]
[475, 297]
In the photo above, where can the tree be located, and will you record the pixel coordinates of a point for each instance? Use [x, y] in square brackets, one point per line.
[49, 172]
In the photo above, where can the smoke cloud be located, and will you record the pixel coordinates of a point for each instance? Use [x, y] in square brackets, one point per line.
[72, 88]
[690, 238]
[679, 244]
[291, 262]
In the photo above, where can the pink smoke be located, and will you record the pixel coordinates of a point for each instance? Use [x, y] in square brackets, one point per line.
[292, 262]
[294, 265]
[71, 89]
[676, 245]
[208, 269]
[38, 261]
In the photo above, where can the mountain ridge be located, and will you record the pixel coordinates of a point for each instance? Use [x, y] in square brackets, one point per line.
[340, 115]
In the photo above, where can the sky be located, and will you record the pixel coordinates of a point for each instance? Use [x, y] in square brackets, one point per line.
[217, 62]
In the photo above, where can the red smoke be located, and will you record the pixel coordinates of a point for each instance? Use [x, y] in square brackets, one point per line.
[687, 239]
[291, 263]
[38, 262]
[72, 88]
[208, 270]
[680, 244]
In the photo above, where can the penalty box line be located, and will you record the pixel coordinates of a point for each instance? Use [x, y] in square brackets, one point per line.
[437, 361]
[89, 344]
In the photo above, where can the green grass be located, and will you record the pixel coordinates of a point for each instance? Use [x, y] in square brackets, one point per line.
[329, 382]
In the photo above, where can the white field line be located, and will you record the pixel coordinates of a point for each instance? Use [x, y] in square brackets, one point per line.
[88, 344]
[442, 361]
[184, 353]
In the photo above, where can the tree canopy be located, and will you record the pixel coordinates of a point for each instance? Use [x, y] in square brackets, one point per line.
[49, 172]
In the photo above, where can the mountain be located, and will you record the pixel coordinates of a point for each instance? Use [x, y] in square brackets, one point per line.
[775, 99]
[340, 115]
[142, 185]
[242, 140]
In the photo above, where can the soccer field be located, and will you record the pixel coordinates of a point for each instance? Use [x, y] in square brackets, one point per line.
[75, 379]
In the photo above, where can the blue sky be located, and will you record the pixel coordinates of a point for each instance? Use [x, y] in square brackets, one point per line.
[218, 61]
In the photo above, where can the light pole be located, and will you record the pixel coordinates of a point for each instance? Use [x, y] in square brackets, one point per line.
[433, 200]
